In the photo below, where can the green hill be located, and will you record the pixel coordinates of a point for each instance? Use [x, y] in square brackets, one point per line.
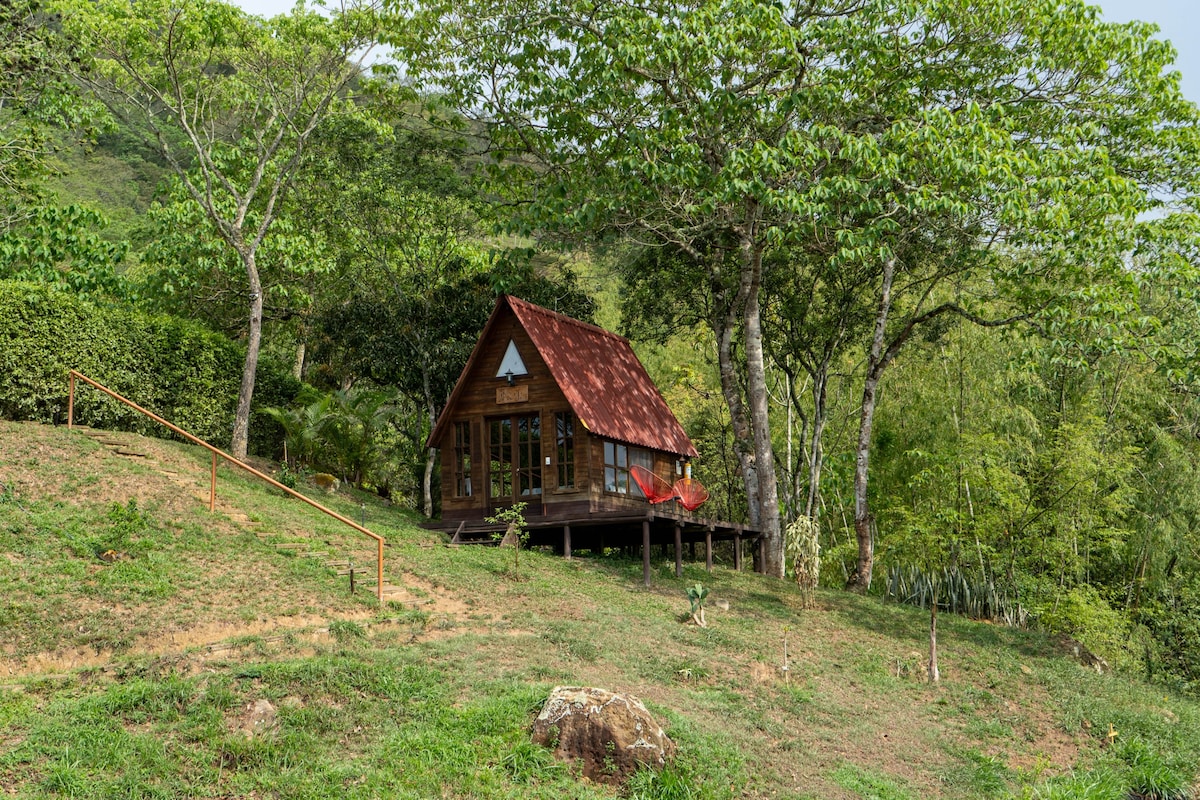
[133, 678]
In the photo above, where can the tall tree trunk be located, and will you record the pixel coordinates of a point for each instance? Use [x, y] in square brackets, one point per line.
[861, 580]
[431, 456]
[298, 366]
[934, 673]
[241, 420]
[816, 456]
[724, 325]
[769, 522]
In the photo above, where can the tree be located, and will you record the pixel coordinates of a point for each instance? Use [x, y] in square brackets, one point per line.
[33, 95]
[906, 142]
[1030, 145]
[55, 245]
[230, 101]
[675, 124]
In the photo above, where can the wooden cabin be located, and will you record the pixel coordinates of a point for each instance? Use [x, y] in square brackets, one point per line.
[554, 412]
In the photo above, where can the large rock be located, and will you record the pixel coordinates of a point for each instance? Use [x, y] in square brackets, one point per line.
[608, 735]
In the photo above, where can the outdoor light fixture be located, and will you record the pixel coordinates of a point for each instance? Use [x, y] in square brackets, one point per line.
[509, 377]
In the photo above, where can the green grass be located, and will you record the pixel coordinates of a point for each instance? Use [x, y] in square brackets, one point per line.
[436, 700]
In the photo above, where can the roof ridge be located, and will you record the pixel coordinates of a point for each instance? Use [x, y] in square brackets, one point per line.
[535, 308]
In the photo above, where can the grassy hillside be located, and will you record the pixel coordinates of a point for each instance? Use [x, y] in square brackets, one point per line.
[134, 678]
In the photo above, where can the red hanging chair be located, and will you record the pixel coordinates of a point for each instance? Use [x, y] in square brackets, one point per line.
[656, 488]
[691, 493]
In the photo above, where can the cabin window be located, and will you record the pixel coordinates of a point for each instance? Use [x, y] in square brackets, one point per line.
[500, 475]
[462, 459]
[564, 433]
[514, 458]
[617, 460]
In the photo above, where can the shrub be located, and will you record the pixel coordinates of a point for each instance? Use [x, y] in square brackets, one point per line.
[175, 368]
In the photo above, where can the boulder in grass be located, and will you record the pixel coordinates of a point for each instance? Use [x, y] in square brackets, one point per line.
[607, 735]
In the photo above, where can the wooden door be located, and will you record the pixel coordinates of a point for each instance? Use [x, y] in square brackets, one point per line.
[515, 461]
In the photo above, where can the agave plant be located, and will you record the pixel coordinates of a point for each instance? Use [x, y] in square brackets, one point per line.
[955, 591]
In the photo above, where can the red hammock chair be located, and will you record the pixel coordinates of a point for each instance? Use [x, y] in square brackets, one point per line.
[691, 493]
[656, 488]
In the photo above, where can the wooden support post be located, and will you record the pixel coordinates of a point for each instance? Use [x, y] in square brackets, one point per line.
[212, 486]
[737, 552]
[708, 550]
[692, 551]
[678, 550]
[567, 542]
[646, 552]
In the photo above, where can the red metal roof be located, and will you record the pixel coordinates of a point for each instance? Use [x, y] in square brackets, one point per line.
[606, 385]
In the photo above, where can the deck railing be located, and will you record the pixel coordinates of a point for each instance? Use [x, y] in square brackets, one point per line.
[217, 453]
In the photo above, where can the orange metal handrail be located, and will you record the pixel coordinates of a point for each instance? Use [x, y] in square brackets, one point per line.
[212, 492]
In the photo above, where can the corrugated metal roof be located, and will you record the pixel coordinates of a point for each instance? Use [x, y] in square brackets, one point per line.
[605, 383]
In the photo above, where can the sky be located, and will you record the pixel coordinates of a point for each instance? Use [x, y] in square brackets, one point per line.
[1178, 22]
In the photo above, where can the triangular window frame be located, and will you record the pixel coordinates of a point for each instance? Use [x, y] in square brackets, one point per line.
[512, 363]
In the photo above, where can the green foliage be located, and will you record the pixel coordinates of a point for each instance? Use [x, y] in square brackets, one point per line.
[1084, 614]
[955, 591]
[868, 784]
[1151, 775]
[528, 763]
[696, 595]
[35, 94]
[513, 518]
[176, 369]
[344, 432]
[669, 783]
[345, 631]
[59, 246]
[802, 545]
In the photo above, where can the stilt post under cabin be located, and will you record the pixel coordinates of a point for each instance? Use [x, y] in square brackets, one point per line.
[678, 550]
[567, 542]
[737, 552]
[708, 550]
[646, 552]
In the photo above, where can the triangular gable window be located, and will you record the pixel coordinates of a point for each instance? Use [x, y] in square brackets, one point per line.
[511, 364]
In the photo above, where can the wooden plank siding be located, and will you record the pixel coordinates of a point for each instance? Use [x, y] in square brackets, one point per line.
[477, 404]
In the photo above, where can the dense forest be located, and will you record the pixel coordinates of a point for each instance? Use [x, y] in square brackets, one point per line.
[919, 278]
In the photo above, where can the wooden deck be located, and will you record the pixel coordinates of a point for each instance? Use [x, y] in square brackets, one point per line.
[617, 529]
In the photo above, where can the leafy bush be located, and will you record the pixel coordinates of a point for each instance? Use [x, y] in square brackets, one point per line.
[175, 368]
[1082, 613]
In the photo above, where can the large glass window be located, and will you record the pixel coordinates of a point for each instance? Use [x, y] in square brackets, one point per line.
[564, 436]
[617, 460]
[462, 459]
